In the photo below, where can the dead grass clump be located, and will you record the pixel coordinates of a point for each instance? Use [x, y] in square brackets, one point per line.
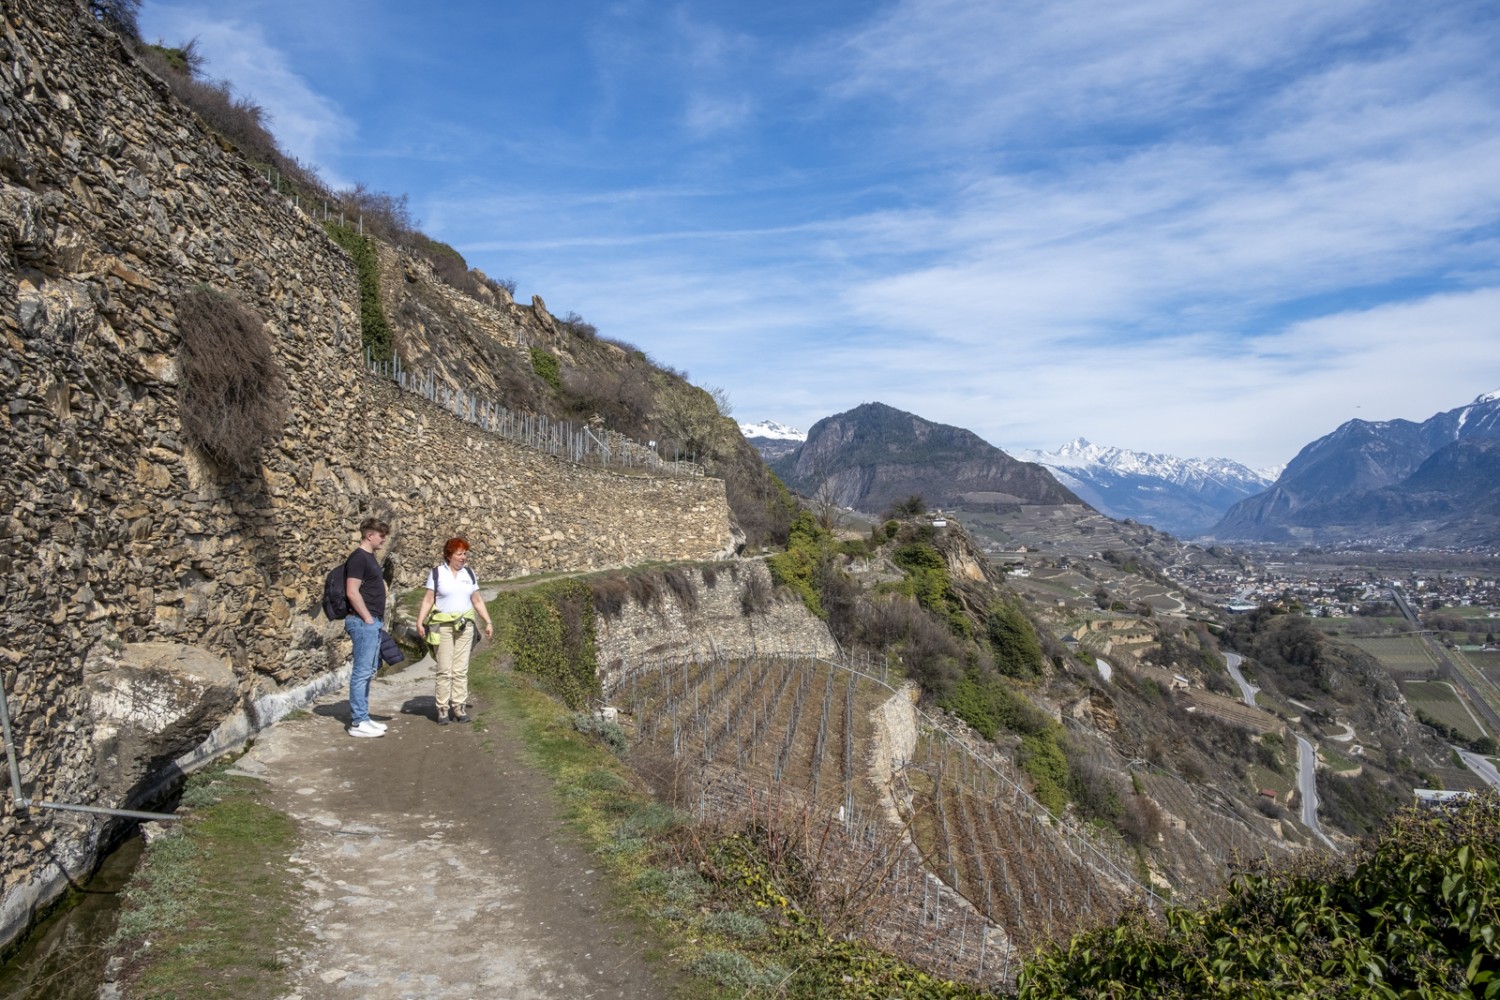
[232, 398]
[646, 590]
[681, 585]
[1142, 823]
[755, 594]
[610, 594]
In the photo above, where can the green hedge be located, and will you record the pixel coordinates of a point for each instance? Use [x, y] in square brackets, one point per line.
[550, 630]
[1414, 913]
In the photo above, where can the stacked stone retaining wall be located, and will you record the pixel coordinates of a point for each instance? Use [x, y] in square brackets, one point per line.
[115, 200]
[718, 625]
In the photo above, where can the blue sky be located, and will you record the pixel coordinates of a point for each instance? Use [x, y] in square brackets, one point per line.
[1212, 230]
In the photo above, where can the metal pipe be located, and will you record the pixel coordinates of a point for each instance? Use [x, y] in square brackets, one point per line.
[10, 749]
[102, 811]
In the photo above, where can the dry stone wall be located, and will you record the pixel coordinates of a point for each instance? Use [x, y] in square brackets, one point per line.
[718, 625]
[117, 534]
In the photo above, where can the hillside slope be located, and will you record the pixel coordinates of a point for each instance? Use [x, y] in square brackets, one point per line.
[875, 455]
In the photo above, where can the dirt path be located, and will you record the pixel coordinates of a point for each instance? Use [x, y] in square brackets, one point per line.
[434, 864]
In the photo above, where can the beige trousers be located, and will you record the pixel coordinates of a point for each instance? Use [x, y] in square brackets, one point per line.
[452, 656]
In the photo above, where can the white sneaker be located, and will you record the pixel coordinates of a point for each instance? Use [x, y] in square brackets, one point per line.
[378, 725]
[367, 728]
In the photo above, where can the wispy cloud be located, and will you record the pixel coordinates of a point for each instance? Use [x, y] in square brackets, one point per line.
[308, 125]
[1165, 225]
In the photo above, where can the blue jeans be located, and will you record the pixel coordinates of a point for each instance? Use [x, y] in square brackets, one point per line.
[366, 662]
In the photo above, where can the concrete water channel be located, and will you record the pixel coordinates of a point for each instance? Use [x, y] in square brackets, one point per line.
[63, 957]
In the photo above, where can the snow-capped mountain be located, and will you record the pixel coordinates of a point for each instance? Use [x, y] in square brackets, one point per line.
[773, 431]
[771, 439]
[1183, 496]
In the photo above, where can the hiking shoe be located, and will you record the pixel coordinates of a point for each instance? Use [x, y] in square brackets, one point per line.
[368, 729]
[459, 713]
[442, 716]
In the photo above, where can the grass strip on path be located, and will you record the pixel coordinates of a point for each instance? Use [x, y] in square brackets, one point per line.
[208, 913]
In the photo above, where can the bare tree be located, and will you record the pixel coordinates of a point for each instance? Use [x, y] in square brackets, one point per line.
[826, 509]
[119, 16]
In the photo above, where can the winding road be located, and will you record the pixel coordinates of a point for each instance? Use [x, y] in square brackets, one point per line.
[1247, 690]
[1480, 765]
[1307, 784]
[1307, 757]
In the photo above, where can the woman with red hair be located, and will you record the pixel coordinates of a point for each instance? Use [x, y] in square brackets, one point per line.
[453, 600]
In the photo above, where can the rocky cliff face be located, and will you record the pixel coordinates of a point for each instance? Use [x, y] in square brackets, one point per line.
[124, 547]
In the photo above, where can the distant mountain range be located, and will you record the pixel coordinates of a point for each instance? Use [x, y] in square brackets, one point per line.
[771, 439]
[875, 455]
[1182, 496]
[1394, 483]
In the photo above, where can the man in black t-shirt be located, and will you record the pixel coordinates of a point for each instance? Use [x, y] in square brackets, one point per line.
[366, 592]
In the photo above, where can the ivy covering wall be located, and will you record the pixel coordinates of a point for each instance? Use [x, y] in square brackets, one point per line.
[374, 331]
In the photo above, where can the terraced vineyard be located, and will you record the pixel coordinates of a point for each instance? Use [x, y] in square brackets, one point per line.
[1223, 838]
[1001, 851]
[964, 867]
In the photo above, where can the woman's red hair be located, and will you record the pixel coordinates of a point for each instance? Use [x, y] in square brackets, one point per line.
[455, 545]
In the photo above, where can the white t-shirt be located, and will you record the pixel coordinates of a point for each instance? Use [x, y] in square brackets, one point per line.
[455, 593]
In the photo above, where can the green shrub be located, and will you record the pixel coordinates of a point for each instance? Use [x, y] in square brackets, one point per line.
[927, 580]
[550, 631]
[1018, 652]
[547, 367]
[973, 701]
[1047, 765]
[808, 545]
[1413, 913]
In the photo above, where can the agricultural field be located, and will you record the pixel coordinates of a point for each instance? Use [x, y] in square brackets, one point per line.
[1470, 611]
[1488, 663]
[1439, 701]
[1403, 656]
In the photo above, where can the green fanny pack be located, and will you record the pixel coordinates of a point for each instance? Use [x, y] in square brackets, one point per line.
[457, 623]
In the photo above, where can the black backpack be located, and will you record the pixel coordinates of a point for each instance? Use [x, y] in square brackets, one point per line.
[336, 593]
[435, 577]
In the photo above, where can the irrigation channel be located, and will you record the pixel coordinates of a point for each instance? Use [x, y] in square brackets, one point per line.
[63, 957]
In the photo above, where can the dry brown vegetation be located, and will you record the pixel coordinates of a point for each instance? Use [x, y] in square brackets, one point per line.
[231, 392]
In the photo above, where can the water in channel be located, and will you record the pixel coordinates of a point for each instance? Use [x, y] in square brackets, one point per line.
[63, 959]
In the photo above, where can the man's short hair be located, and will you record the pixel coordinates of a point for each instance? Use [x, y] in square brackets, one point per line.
[374, 524]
